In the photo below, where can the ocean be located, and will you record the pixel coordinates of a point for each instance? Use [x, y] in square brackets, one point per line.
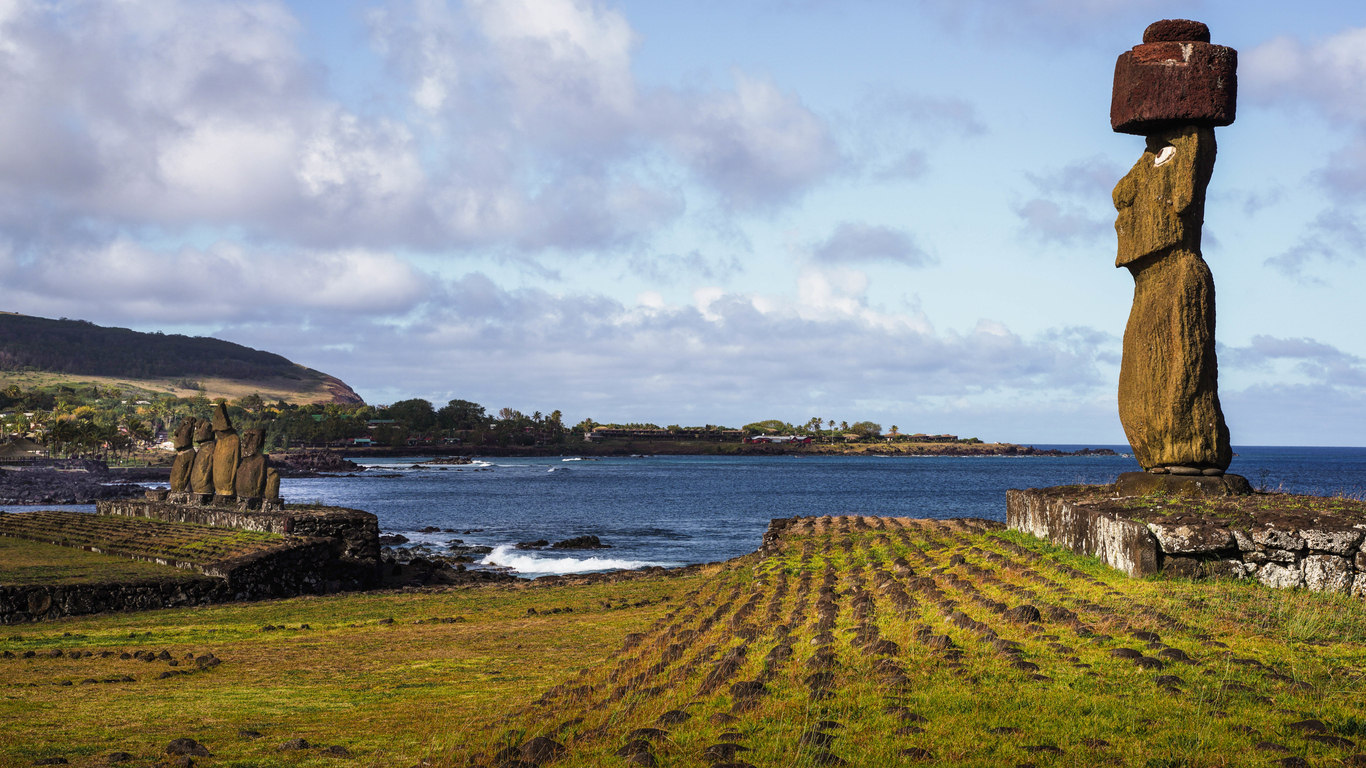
[677, 510]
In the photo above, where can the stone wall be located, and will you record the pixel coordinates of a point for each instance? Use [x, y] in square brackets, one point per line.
[1279, 549]
[355, 531]
[20, 604]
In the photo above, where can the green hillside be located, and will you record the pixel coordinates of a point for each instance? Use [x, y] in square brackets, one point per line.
[41, 350]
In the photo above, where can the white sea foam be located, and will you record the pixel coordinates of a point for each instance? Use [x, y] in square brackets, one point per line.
[576, 458]
[507, 556]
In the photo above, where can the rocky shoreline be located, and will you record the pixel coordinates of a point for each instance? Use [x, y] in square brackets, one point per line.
[74, 481]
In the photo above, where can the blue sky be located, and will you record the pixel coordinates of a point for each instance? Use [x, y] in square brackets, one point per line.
[703, 212]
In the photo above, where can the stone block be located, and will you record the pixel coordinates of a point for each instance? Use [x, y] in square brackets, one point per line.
[1270, 556]
[1328, 573]
[1124, 544]
[1244, 541]
[1361, 560]
[1333, 542]
[1275, 538]
[1145, 484]
[1169, 81]
[1183, 568]
[1191, 539]
[1280, 577]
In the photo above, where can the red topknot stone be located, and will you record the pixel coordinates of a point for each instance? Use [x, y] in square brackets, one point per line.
[1176, 77]
[1176, 31]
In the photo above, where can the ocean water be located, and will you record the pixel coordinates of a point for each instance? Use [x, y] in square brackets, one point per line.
[676, 510]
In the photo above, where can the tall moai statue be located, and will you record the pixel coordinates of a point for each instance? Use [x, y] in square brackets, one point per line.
[226, 454]
[184, 455]
[251, 472]
[201, 474]
[1174, 89]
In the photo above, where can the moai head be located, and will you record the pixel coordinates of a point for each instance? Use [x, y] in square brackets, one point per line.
[203, 430]
[220, 419]
[1175, 78]
[252, 440]
[184, 434]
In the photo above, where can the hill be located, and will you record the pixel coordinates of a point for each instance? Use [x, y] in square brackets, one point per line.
[38, 351]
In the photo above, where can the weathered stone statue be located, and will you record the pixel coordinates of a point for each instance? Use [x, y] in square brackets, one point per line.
[1173, 89]
[226, 454]
[184, 455]
[251, 472]
[272, 484]
[201, 474]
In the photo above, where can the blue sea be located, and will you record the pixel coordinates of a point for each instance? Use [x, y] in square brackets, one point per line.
[676, 510]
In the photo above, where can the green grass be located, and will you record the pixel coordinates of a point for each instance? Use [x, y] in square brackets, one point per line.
[138, 537]
[391, 693]
[456, 693]
[25, 563]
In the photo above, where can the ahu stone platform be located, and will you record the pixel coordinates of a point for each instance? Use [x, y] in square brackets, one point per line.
[1281, 540]
[354, 533]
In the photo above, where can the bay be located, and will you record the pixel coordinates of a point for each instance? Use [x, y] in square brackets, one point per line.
[676, 510]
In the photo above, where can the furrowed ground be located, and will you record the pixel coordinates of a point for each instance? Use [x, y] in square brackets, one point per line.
[852, 640]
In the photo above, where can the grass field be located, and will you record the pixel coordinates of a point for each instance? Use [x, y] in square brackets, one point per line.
[859, 641]
[26, 563]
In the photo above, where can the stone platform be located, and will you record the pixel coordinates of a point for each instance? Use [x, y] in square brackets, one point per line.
[1282, 540]
[355, 533]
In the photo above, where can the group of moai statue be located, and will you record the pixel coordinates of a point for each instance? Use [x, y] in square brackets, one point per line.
[213, 463]
[1173, 90]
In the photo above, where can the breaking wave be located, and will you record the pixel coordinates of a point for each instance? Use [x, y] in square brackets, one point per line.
[519, 561]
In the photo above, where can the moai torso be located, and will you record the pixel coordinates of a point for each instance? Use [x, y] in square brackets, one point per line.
[184, 456]
[201, 474]
[227, 453]
[251, 472]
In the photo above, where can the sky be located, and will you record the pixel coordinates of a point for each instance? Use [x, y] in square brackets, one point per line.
[694, 213]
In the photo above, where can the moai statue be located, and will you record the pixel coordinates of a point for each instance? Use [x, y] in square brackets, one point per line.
[225, 455]
[201, 474]
[1173, 90]
[273, 486]
[184, 455]
[251, 472]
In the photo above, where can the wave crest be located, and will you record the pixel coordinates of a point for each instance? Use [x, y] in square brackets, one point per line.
[522, 562]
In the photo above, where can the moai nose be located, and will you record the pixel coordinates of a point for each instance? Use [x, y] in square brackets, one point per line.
[1175, 77]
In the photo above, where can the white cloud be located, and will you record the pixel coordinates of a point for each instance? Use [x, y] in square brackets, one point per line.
[1329, 74]
[1335, 235]
[1071, 205]
[525, 129]
[222, 283]
[854, 242]
[723, 353]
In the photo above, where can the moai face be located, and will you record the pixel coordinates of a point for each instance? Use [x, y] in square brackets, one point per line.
[1160, 204]
[184, 434]
[252, 440]
[220, 419]
[1175, 78]
[203, 431]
